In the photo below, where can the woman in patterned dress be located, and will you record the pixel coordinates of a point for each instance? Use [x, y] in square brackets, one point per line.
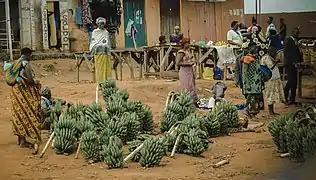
[252, 80]
[26, 101]
[185, 60]
[273, 91]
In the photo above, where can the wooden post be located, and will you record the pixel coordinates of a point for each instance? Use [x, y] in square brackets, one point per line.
[77, 68]
[145, 60]
[163, 60]
[130, 65]
[141, 67]
[201, 69]
[121, 67]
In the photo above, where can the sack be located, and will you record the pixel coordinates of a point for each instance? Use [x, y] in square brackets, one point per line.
[267, 73]
[12, 73]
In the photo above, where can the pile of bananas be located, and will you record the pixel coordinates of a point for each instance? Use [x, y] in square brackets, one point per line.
[65, 135]
[152, 152]
[223, 117]
[277, 130]
[143, 113]
[125, 127]
[132, 145]
[212, 124]
[112, 153]
[192, 135]
[177, 110]
[90, 146]
[196, 142]
[295, 133]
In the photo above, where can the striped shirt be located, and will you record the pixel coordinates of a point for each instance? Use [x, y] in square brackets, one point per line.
[244, 33]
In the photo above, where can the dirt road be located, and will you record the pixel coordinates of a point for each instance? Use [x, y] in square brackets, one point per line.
[253, 154]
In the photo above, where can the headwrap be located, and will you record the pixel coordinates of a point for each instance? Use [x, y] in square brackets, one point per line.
[100, 20]
[184, 41]
[46, 92]
[177, 28]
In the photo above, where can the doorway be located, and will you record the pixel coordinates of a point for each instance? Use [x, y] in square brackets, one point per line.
[170, 16]
[134, 11]
[54, 25]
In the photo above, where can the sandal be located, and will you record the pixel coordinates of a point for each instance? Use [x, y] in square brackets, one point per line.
[35, 150]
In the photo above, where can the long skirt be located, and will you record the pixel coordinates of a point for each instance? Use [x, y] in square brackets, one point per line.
[26, 110]
[187, 80]
[274, 92]
[102, 67]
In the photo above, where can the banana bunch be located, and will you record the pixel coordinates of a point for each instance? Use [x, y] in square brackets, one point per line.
[84, 125]
[196, 142]
[93, 107]
[152, 152]
[120, 94]
[133, 126]
[65, 135]
[185, 101]
[177, 110]
[116, 107]
[76, 111]
[231, 111]
[99, 119]
[132, 145]
[293, 139]
[112, 153]
[144, 114]
[222, 118]
[105, 135]
[90, 145]
[193, 121]
[277, 130]
[55, 111]
[171, 115]
[125, 127]
[309, 141]
[108, 88]
[220, 43]
[212, 125]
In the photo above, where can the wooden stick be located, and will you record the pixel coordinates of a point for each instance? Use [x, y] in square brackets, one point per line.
[176, 144]
[132, 154]
[284, 155]
[97, 94]
[46, 146]
[78, 150]
[221, 163]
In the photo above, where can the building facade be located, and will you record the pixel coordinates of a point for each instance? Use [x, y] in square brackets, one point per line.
[198, 20]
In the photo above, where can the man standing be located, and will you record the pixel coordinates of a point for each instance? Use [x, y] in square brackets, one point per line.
[282, 30]
[292, 55]
[234, 37]
[270, 26]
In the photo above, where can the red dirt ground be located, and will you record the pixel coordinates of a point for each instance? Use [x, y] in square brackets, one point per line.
[253, 154]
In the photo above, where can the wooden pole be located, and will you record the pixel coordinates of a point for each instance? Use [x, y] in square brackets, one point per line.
[46, 146]
[7, 10]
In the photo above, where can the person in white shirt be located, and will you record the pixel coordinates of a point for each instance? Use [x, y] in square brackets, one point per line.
[271, 26]
[273, 91]
[234, 37]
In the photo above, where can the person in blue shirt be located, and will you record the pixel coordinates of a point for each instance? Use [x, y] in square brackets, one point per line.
[275, 40]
